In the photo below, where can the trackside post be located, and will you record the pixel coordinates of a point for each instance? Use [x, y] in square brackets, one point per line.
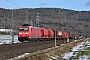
[55, 38]
[12, 34]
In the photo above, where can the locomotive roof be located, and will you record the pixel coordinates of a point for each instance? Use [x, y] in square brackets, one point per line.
[25, 25]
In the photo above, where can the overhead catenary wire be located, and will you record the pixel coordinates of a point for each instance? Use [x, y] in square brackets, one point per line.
[24, 2]
[13, 3]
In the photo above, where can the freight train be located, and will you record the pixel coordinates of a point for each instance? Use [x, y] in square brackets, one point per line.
[31, 33]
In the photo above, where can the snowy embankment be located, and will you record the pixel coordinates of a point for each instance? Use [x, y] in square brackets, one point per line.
[20, 56]
[75, 50]
[7, 39]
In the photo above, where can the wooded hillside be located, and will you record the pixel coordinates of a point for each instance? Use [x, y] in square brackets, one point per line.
[71, 21]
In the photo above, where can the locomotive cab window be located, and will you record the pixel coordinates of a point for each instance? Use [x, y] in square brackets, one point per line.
[24, 29]
[21, 28]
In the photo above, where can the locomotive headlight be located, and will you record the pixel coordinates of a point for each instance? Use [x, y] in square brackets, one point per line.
[26, 32]
[20, 32]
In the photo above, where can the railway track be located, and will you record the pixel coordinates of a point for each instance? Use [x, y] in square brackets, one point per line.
[8, 51]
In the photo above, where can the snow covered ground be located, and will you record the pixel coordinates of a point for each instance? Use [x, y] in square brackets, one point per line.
[7, 39]
[20, 56]
[75, 50]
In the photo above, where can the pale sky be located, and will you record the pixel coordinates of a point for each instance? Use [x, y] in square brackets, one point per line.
[80, 5]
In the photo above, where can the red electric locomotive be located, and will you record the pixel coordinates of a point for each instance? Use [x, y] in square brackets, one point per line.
[28, 33]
